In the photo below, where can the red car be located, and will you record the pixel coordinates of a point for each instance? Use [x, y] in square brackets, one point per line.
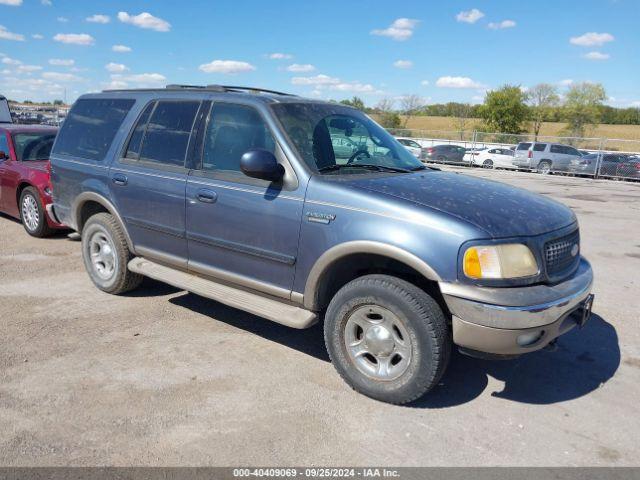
[25, 186]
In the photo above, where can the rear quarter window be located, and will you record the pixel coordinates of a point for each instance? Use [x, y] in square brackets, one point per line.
[91, 127]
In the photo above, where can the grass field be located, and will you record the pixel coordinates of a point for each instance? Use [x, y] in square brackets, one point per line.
[623, 132]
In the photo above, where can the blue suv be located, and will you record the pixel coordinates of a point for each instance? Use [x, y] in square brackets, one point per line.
[249, 197]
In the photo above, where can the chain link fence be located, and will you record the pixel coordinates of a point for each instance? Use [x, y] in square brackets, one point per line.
[576, 156]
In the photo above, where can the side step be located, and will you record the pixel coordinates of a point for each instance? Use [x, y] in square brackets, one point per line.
[279, 312]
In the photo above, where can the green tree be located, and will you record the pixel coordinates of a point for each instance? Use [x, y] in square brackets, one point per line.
[387, 116]
[542, 98]
[582, 108]
[504, 110]
[355, 102]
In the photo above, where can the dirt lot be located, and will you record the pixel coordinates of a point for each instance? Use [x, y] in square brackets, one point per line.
[163, 377]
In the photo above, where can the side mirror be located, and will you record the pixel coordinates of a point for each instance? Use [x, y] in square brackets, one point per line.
[261, 164]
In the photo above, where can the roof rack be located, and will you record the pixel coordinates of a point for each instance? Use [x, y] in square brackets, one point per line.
[226, 88]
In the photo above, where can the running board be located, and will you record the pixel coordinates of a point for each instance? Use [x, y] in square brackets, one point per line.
[279, 312]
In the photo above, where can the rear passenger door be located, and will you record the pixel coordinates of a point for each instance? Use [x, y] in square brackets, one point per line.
[148, 182]
[240, 229]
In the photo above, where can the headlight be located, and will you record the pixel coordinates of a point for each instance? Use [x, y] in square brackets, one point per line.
[512, 260]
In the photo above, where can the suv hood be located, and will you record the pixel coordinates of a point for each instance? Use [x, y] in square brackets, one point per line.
[498, 209]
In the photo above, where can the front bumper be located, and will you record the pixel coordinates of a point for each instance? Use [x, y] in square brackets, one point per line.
[52, 218]
[511, 321]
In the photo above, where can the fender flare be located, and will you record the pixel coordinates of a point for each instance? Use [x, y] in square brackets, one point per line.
[334, 254]
[85, 197]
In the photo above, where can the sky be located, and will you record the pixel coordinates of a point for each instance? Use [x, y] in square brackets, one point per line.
[331, 49]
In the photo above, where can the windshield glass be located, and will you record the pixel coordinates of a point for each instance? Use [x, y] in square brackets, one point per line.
[33, 146]
[333, 139]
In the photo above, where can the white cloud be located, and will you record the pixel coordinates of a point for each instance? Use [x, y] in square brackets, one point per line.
[280, 56]
[37, 36]
[116, 67]
[226, 66]
[425, 83]
[566, 82]
[458, 82]
[315, 80]
[140, 79]
[61, 62]
[356, 87]
[74, 38]
[116, 85]
[469, 16]
[97, 18]
[592, 39]
[12, 3]
[10, 61]
[400, 30]
[300, 68]
[597, 56]
[7, 35]
[121, 48]
[145, 20]
[403, 64]
[46, 3]
[28, 68]
[61, 77]
[501, 25]
[62, 19]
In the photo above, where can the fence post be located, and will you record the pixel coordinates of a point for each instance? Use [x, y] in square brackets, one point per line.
[596, 174]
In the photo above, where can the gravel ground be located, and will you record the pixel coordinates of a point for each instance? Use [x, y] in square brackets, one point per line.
[163, 377]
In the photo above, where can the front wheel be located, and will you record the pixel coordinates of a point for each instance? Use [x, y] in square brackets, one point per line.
[487, 164]
[387, 338]
[33, 215]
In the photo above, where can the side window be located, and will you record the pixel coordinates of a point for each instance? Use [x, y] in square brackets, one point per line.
[168, 132]
[231, 132]
[4, 145]
[573, 151]
[540, 147]
[135, 142]
[557, 149]
[91, 126]
[523, 146]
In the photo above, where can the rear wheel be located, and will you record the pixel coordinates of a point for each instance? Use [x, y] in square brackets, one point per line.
[487, 164]
[106, 255]
[441, 158]
[387, 338]
[544, 167]
[33, 215]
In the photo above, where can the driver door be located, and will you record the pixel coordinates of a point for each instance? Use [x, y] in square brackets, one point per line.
[239, 229]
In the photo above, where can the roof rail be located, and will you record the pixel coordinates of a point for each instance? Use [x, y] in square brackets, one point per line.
[254, 89]
[225, 88]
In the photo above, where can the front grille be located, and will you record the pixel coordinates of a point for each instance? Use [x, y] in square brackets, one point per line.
[558, 255]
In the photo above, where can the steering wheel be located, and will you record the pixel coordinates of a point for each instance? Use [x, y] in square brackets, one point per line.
[357, 154]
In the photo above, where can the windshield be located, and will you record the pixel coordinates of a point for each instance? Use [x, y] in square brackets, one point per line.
[333, 139]
[33, 146]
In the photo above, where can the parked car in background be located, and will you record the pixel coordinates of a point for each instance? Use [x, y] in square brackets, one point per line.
[445, 154]
[545, 157]
[491, 157]
[240, 197]
[25, 184]
[608, 163]
[414, 147]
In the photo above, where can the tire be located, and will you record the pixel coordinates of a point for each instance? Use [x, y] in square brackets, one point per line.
[418, 331]
[487, 164]
[441, 159]
[544, 167]
[33, 215]
[105, 254]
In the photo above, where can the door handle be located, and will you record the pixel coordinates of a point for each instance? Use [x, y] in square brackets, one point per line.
[119, 179]
[207, 196]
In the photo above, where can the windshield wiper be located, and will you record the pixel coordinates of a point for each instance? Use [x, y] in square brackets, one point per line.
[368, 166]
